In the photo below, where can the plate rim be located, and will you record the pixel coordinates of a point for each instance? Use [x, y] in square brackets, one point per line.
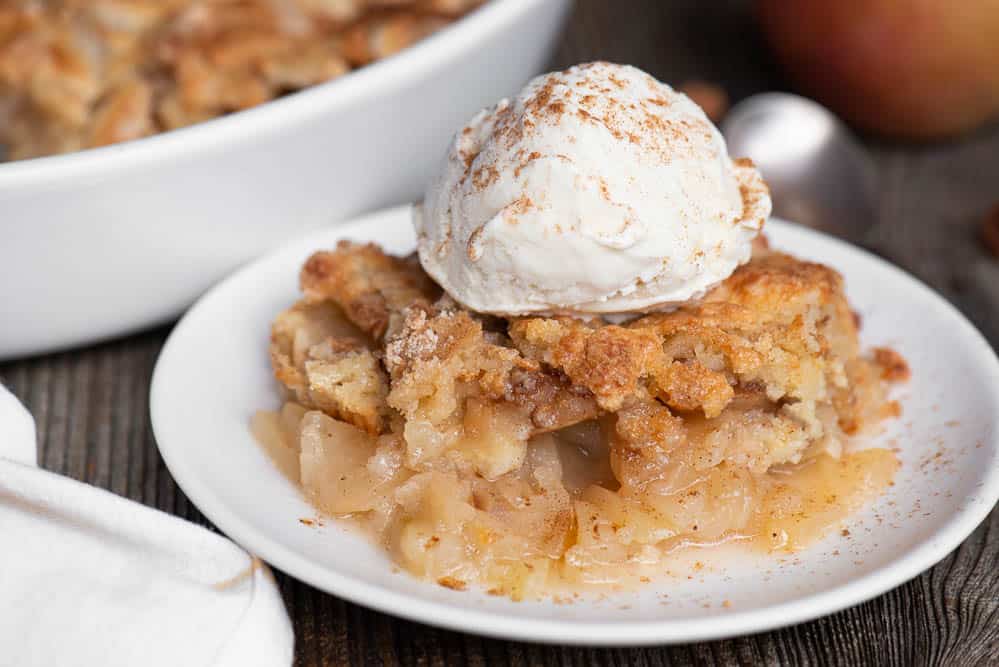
[923, 555]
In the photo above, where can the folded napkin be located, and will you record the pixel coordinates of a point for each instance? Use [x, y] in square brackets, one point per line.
[89, 578]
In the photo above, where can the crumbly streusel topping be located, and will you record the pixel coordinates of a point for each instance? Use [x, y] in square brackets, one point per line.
[82, 73]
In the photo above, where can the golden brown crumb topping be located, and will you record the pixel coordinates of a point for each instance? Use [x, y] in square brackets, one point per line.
[371, 287]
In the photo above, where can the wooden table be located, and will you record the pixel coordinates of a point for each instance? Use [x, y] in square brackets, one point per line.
[93, 425]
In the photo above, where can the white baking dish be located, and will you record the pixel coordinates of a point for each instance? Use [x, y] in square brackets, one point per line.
[109, 240]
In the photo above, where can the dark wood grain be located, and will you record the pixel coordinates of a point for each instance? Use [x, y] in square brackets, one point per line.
[92, 411]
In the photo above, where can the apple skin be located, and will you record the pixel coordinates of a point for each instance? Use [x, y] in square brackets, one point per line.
[915, 69]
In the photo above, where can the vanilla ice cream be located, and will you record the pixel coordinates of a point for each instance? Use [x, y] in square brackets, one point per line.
[596, 190]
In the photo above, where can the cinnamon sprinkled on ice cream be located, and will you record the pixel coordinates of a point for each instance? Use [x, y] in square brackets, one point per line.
[596, 190]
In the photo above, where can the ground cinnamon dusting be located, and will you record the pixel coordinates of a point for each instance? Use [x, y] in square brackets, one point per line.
[485, 176]
[452, 583]
[894, 367]
[751, 191]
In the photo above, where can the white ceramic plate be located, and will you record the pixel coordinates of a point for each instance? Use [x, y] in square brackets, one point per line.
[213, 374]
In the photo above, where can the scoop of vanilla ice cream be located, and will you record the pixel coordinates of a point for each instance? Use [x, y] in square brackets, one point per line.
[596, 190]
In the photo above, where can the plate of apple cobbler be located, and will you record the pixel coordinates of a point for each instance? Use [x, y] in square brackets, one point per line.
[586, 391]
[804, 437]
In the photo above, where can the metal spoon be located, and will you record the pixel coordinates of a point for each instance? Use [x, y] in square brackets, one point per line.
[819, 174]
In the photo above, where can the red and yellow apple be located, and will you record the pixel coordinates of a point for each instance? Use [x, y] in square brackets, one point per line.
[922, 69]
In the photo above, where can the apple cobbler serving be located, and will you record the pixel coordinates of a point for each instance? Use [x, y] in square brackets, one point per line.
[526, 452]
[640, 374]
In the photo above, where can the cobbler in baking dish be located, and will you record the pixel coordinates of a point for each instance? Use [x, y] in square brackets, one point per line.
[78, 74]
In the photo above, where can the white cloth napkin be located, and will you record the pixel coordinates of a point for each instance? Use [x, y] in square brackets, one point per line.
[89, 578]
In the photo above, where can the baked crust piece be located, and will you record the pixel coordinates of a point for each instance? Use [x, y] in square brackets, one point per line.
[373, 339]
